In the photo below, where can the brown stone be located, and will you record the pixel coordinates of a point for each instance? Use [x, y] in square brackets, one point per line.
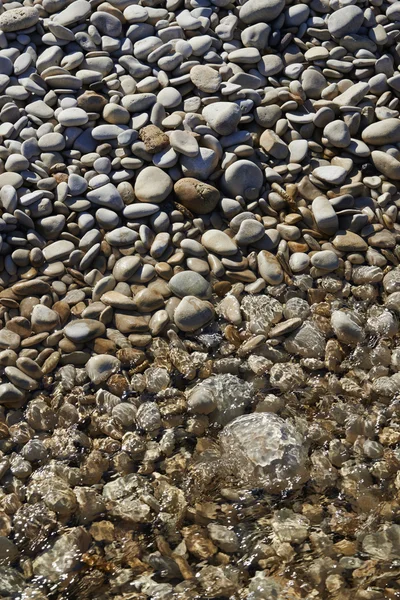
[92, 102]
[63, 310]
[20, 325]
[382, 239]
[221, 288]
[154, 139]
[31, 287]
[298, 246]
[197, 196]
[117, 384]
[34, 340]
[8, 293]
[130, 357]
[60, 177]
[347, 241]
[128, 323]
[102, 531]
[198, 543]
[103, 346]
[67, 346]
[140, 339]
[148, 300]
[51, 362]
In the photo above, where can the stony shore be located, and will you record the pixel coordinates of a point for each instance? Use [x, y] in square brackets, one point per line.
[199, 300]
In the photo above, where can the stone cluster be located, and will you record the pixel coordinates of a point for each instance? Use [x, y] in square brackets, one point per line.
[199, 299]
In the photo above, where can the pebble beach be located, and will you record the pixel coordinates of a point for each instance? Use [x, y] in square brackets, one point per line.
[200, 300]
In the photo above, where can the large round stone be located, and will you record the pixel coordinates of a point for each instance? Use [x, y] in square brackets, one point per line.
[199, 197]
[153, 185]
[264, 450]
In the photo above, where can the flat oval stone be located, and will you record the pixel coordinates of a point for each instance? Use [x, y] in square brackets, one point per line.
[153, 185]
[118, 300]
[74, 13]
[223, 117]
[108, 196]
[199, 197]
[122, 236]
[84, 330]
[269, 268]
[325, 216]
[20, 379]
[140, 210]
[73, 117]
[346, 328]
[333, 175]
[219, 242]
[192, 313]
[386, 164]
[59, 250]
[18, 19]
[260, 11]
[189, 283]
[326, 260]
[99, 368]
[382, 132]
[33, 287]
[40, 109]
[347, 241]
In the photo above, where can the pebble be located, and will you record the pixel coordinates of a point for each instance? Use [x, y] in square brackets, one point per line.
[345, 20]
[184, 143]
[198, 237]
[346, 328]
[218, 242]
[338, 134]
[206, 79]
[332, 175]
[257, 11]
[325, 216]
[100, 367]
[189, 284]
[325, 260]
[58, 250]
[386, 164]
[269, 268]
[84, 330]
[153, 185]
[383, 132]
[347, 241]
[16, 19]
[197, 196]
[223, 117]
[192, 313]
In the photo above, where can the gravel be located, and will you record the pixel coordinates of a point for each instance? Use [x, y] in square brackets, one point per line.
[199, 299]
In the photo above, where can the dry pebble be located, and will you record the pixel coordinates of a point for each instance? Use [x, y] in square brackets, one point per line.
[199, 299]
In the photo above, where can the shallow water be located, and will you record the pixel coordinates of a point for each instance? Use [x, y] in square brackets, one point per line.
[126, 512]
